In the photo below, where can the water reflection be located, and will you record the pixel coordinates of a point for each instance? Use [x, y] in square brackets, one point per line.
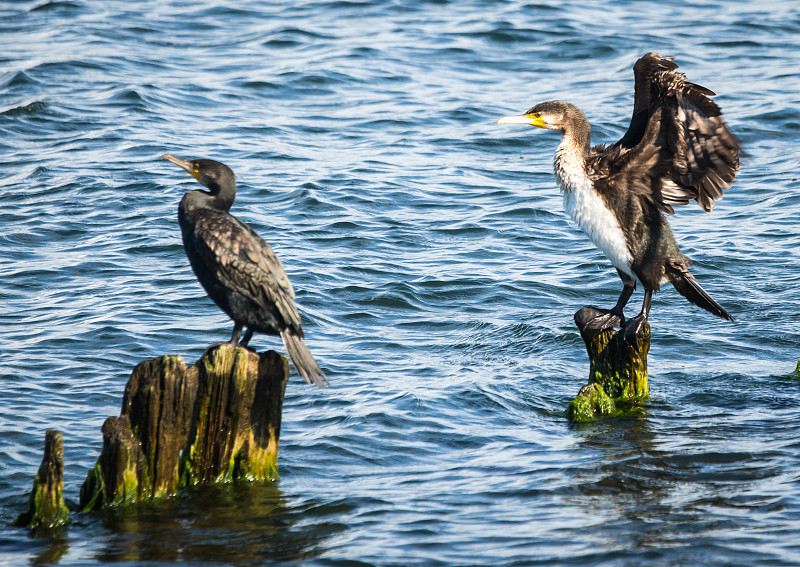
[627, 489]
[650, 495]
[56, 548]
[622, 447]
[237, 524]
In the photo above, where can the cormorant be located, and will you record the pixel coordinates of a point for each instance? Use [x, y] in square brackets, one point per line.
[677, 148]
[238, 270]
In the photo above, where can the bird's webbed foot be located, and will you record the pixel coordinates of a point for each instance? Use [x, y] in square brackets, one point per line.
[234, 342]
[630, 330]
[596, 320]
[605, 319]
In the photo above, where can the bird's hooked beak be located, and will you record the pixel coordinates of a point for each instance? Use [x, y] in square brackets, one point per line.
[534, 119]
[184, 164]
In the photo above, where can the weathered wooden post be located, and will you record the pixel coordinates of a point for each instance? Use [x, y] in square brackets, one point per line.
[237, 417]
[216, 420]
[141, 447]
[617, 370]
[46, 508]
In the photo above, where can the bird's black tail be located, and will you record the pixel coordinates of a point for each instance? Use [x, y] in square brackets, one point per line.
[301, 357]
[688, 287]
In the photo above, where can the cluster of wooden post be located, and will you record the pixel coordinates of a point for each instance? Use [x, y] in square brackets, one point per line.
[218, 419]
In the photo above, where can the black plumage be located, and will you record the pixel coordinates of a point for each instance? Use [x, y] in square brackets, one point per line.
[237, 269]
[676, 149]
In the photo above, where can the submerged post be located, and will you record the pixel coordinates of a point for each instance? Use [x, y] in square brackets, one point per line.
[617, 370]
[46, 508]
[216, 420]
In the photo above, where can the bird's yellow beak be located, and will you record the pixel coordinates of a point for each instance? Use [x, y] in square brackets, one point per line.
[532, 119]
[184, 164]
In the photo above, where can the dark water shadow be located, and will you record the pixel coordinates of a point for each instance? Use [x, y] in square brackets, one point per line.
[236, 524]
[54, 545]
[231, 524]
[620, 472]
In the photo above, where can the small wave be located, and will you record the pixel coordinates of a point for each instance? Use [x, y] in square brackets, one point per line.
[19, 79]
[25, 109]
[57, 6]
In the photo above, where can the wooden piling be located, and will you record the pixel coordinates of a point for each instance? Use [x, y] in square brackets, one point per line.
[237, 418]
[46, 508]
[617, 371]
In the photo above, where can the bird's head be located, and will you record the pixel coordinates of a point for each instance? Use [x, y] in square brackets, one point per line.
[550, 115]
[212, 174]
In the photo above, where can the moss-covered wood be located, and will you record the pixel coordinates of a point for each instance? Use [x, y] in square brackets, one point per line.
[216, 420]
[46, 508]
[141, 447]
[236, 428]
[617, 370]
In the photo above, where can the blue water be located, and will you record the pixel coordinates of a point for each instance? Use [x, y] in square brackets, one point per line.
[435, 269]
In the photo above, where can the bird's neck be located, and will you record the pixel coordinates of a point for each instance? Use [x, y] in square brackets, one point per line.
[570, 160]
[222, 196]
[199, 199]
[217, 198]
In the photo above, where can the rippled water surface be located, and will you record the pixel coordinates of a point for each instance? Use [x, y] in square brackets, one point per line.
[436, 272]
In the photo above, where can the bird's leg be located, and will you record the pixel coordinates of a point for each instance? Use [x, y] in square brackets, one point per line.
[614, 317]
[247, 336]
[632, 327]
[237, 332]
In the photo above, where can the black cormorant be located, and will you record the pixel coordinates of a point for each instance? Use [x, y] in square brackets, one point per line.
[677, 148]
[238, 270]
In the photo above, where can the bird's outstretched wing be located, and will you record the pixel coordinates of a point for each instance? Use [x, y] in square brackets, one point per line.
[677, 147]
[241, 260]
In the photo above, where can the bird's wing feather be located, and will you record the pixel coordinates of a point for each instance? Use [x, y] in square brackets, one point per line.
[677, 144]
[241, 260]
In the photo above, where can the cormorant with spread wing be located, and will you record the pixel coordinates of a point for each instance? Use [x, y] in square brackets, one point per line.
[676, 149]
[238, 270]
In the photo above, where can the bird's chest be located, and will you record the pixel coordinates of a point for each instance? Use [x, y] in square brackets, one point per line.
[589, 211]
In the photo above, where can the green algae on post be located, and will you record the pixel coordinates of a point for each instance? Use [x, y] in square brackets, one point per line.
[617, 371]
[238, 414]
[591, 403]
[217, 420]
[46, 508]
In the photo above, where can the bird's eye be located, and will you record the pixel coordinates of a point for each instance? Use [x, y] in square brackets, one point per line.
[196, 167]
